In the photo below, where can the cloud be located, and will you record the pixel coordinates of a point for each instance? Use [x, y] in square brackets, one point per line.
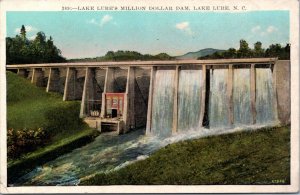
[271, 29]
[92, 21]
[185, 27]
[262, 32]
[256, 29]
[28, 29]
[104, 20]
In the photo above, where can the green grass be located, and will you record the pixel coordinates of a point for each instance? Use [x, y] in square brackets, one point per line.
[257, 157]
[31, 107]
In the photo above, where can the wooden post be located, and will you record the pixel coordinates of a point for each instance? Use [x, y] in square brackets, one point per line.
[203, 94]
[175, 105]
[150, 99]
[253, 92]
[230, 94]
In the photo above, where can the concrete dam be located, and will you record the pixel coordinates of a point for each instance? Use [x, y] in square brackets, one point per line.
[168, 97]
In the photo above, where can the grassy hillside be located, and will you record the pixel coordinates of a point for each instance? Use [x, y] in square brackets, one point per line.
[257, 157]
[31, 107]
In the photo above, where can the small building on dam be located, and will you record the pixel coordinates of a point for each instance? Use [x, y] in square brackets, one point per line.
[168, 97]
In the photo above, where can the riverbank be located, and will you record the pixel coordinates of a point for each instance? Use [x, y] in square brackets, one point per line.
[19, 167]
[242, 158]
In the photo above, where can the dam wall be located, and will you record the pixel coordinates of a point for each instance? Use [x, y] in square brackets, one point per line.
[168, 97]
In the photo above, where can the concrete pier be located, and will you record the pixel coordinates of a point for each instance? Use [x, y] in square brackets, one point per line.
[150, 100]
[53, 80]
[37, 77]
[129, 114]
[203, 94]
[230, 94]
[253, 92]
[87, 91]
[175, 105]
[22, 73]
[282, 69]
[70, 84]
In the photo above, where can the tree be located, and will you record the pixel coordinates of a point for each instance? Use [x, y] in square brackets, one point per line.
[230, 53]
[20, 50]
[258, 50]
[23, 32]
[244, 50]
[274, 50]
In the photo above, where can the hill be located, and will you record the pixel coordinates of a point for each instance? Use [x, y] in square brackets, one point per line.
[124, 56]
[30, 111]
[197, 54]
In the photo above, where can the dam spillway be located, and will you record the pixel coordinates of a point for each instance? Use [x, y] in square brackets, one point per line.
[169, 96]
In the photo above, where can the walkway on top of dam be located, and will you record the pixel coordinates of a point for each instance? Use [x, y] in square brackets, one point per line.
[148, 63]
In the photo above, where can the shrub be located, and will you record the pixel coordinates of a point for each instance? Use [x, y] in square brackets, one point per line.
[24, 140]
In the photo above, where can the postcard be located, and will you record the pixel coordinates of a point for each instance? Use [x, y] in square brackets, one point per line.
[149, 97]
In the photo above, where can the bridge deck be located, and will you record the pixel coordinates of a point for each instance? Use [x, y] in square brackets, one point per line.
[147, 63]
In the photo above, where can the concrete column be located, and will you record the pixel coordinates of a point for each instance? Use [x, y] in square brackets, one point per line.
[274, 82]
[22, 72]
[70, 85]
[203, 94]
[283, 87]
[253, 92]
[53, 80]
[88, 89]
[150, 99]
[107, 87]
[37, 77]
[175, 106]
[230, 94]
[128, 113]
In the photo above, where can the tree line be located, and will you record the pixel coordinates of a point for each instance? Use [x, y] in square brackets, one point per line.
[21, 50]
[244, 51]
[121, 55]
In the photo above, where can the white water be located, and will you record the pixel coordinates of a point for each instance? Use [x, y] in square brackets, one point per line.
[163, 101]
[218, 102]
[241, 97]
[189, 99]
[264, 96]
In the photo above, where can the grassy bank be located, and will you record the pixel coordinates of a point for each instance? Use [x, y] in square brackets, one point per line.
[31, 107]
[256, 157]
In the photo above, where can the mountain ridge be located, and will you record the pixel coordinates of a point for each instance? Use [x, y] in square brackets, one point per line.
[199, 53]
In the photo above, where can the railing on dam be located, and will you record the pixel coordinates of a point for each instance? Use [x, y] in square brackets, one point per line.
[169, 95]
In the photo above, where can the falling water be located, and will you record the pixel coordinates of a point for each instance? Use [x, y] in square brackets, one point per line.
[264, 96]
[163, 100]
[218, 101]
[189, 99]
[241, 97]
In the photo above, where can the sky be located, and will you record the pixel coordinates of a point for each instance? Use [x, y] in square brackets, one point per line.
[91, 34]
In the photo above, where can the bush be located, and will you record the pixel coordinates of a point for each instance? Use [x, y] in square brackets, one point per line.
[24, 140]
